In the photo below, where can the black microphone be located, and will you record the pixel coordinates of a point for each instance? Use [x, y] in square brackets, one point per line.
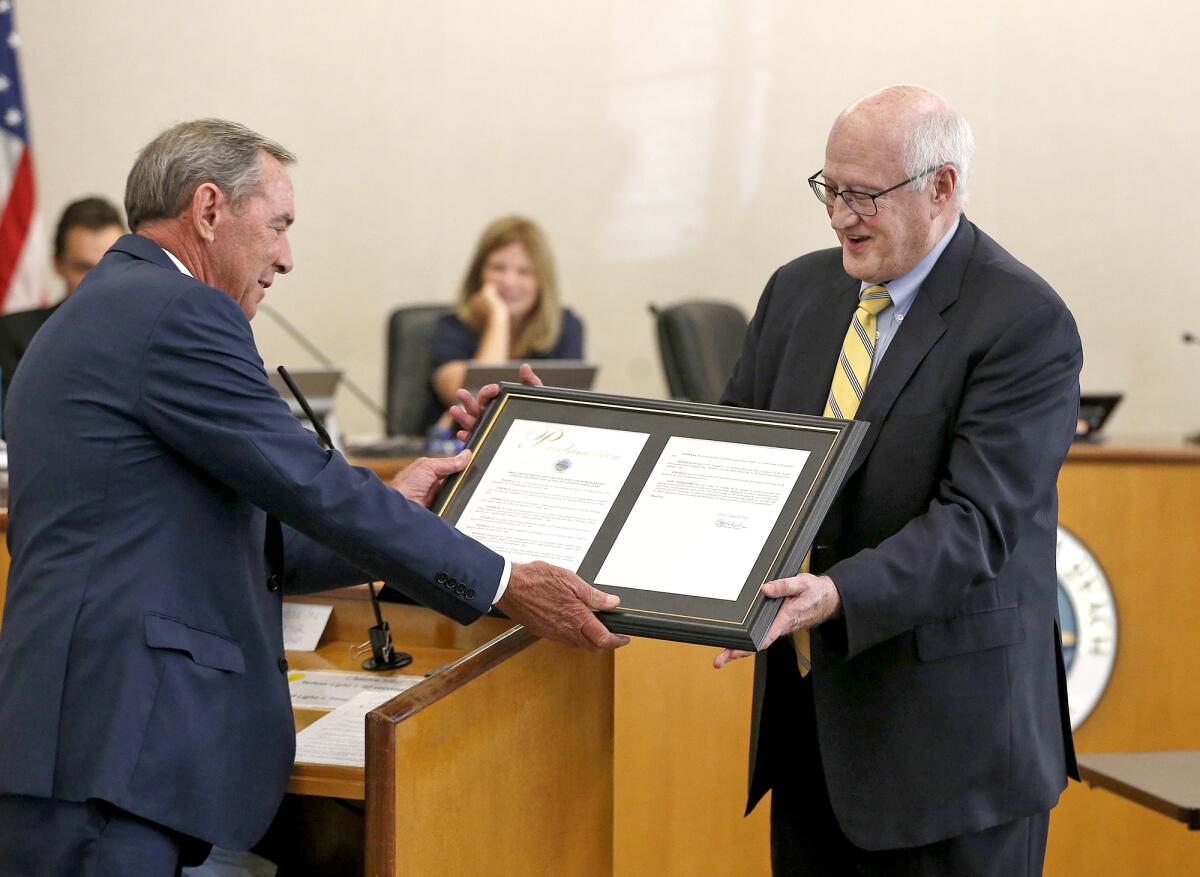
[383, 654]
[312, 415]
[320, 357]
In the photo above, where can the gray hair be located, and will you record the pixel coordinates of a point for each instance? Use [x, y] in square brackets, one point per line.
[939, 138]
[174, 164]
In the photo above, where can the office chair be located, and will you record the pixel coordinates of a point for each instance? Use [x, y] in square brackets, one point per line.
[700, 342]
[408, 366]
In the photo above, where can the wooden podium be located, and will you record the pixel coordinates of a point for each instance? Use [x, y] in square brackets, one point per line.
[498, 763]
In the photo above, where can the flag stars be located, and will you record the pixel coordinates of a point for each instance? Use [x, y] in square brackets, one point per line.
[4, 83]
[5, 6]
[12, 117]
[14, 40]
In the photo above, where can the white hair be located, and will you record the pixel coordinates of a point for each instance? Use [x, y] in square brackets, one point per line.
[939, 138]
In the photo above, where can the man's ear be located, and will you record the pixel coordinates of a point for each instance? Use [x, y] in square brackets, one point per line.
[208, 207]
[944, 188]
[60, 267]
[945, 185]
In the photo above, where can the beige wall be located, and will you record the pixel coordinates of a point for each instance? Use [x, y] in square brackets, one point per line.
[664, 147]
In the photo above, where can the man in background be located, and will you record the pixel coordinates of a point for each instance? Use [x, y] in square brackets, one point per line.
[86, 229]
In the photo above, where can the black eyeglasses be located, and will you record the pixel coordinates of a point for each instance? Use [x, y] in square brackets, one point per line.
[862, 203]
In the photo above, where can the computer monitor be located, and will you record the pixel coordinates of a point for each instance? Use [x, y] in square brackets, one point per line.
[571, 374]
[319, 385]
[1094, 411]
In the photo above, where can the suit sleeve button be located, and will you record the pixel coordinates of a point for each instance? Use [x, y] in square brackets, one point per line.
[283, 665]
[470, 594]
[274, 582]
[441, 578]
[460, 589]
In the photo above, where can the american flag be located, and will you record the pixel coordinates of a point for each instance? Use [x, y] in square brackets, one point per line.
[23, 254]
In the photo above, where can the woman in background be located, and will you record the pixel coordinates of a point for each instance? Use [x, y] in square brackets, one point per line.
[508, 310]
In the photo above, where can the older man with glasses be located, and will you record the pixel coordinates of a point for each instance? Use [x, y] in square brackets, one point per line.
[910, 714]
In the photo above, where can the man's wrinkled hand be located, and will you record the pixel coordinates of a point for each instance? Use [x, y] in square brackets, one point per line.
[808, 601]
[470, 408]
[421, 479]
[556, 604]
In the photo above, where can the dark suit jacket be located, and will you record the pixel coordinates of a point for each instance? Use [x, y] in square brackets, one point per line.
[141, 657]
[939, 693]
[16, 331]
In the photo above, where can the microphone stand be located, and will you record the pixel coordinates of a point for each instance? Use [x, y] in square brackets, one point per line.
[300, 338]
[383, 654]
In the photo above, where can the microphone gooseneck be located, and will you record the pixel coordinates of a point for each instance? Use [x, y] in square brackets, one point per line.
[383, 653]
[308, 411]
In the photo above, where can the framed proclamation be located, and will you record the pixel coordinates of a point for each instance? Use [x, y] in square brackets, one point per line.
[683, 510]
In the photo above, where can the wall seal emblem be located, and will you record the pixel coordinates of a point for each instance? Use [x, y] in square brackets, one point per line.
[1089, 624]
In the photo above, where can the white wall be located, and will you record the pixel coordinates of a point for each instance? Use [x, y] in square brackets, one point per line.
[663, 145]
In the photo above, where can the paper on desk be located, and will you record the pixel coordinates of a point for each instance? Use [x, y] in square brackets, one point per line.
[340, 737]
[303, 624]
[315, 690]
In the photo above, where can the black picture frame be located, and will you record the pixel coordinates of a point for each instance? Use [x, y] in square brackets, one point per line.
[740, 623]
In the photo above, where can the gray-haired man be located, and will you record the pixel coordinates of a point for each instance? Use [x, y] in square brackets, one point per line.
[162, 499]
[931, 735]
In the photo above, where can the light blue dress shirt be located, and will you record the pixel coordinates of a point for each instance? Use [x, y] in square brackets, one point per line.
[903, 291]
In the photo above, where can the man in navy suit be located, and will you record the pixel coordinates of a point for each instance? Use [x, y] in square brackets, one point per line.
[931, 736]
[162, 500]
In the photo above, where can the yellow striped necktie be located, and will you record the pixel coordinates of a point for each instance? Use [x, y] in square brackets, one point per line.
[845, 393]
[858, 349]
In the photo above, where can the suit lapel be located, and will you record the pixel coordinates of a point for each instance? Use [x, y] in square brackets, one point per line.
[817, 338]
[921, 329]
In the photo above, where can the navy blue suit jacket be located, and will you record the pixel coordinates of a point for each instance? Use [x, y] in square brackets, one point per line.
[141, 657]
[940, 696]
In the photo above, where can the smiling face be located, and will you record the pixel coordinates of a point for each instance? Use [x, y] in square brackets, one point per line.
[250, 240]
[865, 153]
[511, 272]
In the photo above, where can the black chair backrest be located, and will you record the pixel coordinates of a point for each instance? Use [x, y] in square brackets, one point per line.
[700, 342]
[409, 366]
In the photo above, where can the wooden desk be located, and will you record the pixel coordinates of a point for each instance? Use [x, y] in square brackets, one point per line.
[384, 467]
[513, 727]
[1167, 782]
